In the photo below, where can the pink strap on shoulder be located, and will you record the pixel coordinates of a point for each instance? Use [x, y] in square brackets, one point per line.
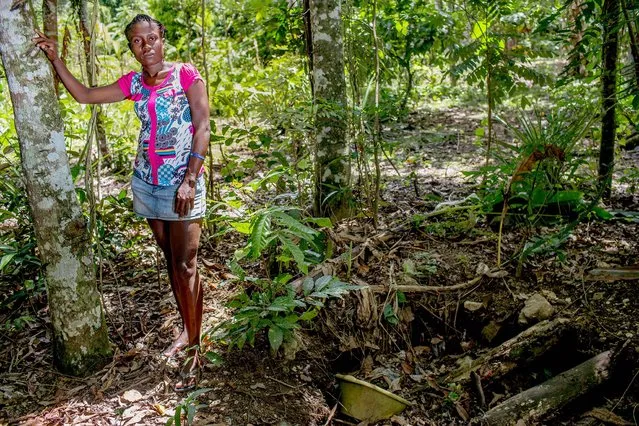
[188, 75]
[125, 84]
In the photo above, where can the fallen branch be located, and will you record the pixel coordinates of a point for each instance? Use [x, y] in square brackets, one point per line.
[493, 273]
[537, 402]
[521, 349]
[425, 288]
[614, 274]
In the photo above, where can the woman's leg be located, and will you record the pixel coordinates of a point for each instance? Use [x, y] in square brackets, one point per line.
[184, 241]
[161, 232]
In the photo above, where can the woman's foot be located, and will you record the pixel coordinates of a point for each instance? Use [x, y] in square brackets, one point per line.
[178, 344]
[189, 375]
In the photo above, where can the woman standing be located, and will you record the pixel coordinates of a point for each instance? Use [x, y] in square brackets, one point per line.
[168, 185]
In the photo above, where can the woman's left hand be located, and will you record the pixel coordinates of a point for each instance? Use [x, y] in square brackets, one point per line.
[184, 199]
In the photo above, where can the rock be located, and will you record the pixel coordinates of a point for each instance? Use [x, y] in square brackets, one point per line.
[132, 396]
[536, 309]
[471, 306]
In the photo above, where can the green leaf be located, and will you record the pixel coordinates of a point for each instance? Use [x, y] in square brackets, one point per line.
[190, 414]
[6, 259]
[290, 222]
[599, 211]
[259, 234]
[309, 315]
[323, 222]
[198, 392]
[178, 415]
[322, 282]
[275, 337]
[307, 285]
[214, 358]
[241, 227]
[297, 253]
[479, 30]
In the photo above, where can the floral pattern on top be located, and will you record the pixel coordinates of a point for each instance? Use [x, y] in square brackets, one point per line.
[166, 133]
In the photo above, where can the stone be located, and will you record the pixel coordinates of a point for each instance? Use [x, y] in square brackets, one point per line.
[471, 306]
[536, 309]
[132, 396]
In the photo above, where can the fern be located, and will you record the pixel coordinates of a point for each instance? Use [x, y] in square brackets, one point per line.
[274, 232]
[260, 229]
[297, 253]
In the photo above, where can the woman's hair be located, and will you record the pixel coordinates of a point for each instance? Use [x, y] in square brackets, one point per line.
[144, 18]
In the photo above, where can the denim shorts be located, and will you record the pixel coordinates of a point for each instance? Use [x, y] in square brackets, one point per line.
[158, 202]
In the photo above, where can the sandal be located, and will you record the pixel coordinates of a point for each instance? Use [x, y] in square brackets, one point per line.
[189, 378]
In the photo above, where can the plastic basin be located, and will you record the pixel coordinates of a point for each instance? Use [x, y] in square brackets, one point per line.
[367, 402]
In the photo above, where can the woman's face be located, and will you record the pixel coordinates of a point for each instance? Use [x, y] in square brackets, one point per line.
[146, 43]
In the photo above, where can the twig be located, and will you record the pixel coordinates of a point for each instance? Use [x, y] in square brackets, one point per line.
[331, 414]
[344, 422]
[426, 288]
[624, 392]
[282, 383]
[480, 389]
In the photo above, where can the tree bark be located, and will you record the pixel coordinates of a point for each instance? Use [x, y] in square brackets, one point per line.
[609, 56]
[514, 353]
[50, 29]
[332, 162]
[534, 404]
[634, 49]
[81, 341]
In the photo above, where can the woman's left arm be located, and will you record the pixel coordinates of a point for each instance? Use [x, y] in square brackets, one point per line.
[199, 104]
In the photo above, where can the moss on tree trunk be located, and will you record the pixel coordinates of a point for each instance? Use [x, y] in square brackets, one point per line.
[332, 159]
[81, 343]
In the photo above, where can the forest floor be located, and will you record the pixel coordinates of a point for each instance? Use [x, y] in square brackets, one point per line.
[408, 342]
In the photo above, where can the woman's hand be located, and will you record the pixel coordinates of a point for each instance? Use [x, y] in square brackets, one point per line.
[47, 45]
[185, 197]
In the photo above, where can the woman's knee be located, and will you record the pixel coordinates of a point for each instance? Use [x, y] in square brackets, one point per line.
[185, 269]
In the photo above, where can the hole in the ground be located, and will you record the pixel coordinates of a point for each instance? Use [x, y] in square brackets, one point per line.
[347, 362]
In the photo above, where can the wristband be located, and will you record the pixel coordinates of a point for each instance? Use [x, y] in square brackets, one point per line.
[196, 155]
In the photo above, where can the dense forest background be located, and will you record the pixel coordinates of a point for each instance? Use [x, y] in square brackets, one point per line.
[488, 199]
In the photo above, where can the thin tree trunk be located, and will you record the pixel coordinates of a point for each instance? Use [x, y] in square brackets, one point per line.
[86, 31]
[609, 56]
[332, 163]
[308, 42]
[80, 338]
[377, 131]
[50, 29]
[632, 35]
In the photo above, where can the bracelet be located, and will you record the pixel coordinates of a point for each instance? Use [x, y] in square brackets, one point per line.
[196, 155]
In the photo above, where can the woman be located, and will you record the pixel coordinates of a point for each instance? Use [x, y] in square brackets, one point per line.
[168, 185]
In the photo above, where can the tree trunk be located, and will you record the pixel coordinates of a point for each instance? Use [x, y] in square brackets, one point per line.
[609, 55]
[50, 29]
[332, 162]
[535, 403]
[522, 349]
[634, 49]
[308, 41]
[81, 341]
[86, 31]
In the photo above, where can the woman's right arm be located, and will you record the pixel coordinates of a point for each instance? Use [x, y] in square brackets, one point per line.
[81, 93]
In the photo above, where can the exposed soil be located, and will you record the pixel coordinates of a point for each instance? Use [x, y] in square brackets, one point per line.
[407, 343]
